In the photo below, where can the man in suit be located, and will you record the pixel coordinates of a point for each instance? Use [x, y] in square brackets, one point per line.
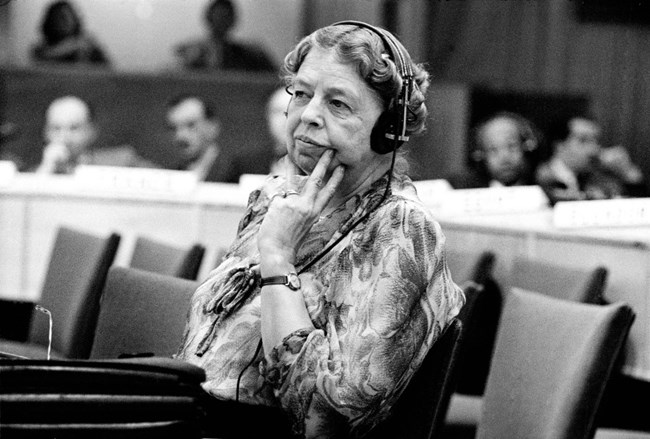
[219, 50]
[501, 155]
[70, 134]
[195, 130]
[582, 169]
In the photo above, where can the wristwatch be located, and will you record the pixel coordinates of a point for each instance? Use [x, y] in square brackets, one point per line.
[291, 280]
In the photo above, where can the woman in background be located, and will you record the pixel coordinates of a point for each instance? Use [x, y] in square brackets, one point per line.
[64, 40]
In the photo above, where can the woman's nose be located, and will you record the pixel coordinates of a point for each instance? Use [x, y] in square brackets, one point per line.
[312, 113]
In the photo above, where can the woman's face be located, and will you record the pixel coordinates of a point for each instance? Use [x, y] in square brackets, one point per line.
[333, 108]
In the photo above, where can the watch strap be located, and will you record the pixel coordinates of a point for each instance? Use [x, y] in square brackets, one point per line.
[274, 280]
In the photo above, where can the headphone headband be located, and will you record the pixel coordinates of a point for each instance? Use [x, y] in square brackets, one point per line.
[393, 122]
[397, 55]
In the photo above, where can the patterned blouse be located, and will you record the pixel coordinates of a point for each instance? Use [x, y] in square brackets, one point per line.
[378, 300]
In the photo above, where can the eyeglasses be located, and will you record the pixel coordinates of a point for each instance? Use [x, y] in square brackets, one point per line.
[49, 338]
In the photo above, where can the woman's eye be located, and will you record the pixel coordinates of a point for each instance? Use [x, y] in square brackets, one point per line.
[339, 105]
[300, 96]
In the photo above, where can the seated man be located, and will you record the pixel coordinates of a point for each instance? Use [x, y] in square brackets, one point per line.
[276, 117]
[195, 130]
[581, 169]
[71, 134]
[219, 50]
[500, 157]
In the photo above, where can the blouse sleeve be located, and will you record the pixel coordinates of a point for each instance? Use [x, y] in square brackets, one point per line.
[387, 300]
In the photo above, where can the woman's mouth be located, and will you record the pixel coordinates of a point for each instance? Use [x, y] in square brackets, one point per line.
[308, 141]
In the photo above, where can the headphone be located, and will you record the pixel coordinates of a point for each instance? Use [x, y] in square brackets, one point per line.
[528, 134]
[389, 133]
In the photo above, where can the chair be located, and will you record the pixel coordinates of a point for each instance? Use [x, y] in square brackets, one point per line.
[466, 266]
[480, 316]
[420, 411]
[138, 398]
[158, 257]
[141, 313]
[579, 285]
[71, 292]
[552, 361]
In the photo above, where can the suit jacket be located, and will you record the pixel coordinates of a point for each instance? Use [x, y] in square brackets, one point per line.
[235, 56]
[225, 169]
[123, 155]
[596, 183]
[477, 177]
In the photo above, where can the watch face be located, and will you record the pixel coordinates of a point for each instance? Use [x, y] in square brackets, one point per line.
[293, 281]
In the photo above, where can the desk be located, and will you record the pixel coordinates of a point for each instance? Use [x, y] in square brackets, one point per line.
[31, 209]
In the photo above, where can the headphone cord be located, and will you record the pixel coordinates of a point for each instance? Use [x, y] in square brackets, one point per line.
[250, 363]
[318, 257]
[329, 248]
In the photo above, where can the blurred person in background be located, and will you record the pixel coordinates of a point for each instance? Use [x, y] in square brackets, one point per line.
[582, 169]
[276, 119]
[71, 136]
[501, 156]
[194, 129]
[218, 50]
[64, 40]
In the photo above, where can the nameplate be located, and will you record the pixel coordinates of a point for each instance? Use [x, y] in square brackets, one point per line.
[7, 172]
[430, 192]
[135, 180]
[602, 213]
[496, 200]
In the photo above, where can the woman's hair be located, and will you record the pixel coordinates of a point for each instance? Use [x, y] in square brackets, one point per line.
[365, 49]
[50, 25]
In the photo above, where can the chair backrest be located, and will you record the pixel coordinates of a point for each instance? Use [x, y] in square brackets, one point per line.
[552, 361]
[420, 411]
[465, 266]
[576, 284]
[72, 288]
[158, 257]
[141, 312]
[480, 316]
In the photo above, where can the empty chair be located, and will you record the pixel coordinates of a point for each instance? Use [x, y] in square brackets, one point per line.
[465, 266]
[142, 313]
[162, 258]
[71, 292]
[420, 411]
[480, 316]
[577, 284]
[551, 363]
[147, 398]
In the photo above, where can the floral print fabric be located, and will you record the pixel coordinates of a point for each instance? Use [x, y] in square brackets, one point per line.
[378, 301]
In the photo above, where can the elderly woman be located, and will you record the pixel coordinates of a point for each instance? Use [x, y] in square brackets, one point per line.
[336, 285]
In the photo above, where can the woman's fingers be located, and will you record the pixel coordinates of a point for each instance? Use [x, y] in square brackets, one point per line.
[317, 178]
[326, 194]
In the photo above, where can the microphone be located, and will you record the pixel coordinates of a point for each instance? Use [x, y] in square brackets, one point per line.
[49, 338]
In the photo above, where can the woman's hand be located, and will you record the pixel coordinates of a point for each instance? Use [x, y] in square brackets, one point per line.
[290, 217]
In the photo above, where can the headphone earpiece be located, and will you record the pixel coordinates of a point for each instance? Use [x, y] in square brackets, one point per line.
[379, 140]
[389, 132]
